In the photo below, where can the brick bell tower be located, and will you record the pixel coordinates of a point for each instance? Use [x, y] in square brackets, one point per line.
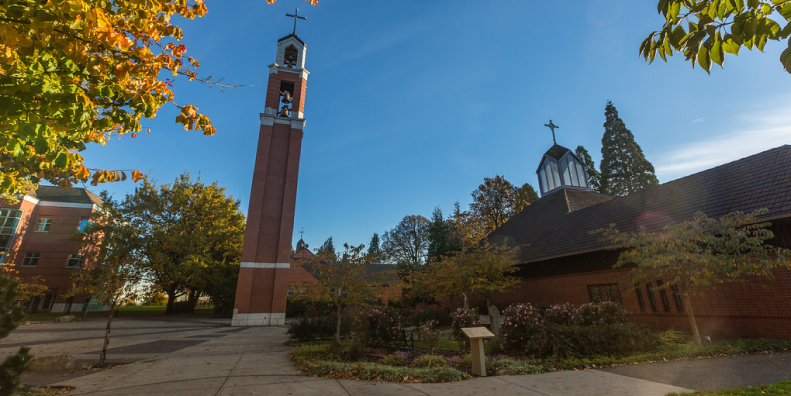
[266, 255]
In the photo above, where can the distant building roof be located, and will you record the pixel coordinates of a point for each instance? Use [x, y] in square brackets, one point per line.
[558, 224]
[384, 273]
[66, 195]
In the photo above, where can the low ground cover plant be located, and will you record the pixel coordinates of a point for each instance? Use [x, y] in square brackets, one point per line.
[533, 339]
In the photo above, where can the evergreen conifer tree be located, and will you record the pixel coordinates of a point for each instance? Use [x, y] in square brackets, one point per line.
[327, 247]
[13, 365]
[374, 250]
[594, 177]
[624, 168]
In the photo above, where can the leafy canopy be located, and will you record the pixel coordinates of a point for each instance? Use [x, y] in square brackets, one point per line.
[704, 30]
[76, 72]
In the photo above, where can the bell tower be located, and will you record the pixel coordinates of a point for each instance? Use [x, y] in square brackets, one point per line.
[266, 255]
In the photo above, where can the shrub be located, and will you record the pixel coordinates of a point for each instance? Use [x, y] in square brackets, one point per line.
[464, 317]
[430, 334]
[423, 313]
[384, 325]
[297, 306]
[315, 324]
[394, 360]
[430, 361]
[466, 360]
[567, 331]
[672, 336]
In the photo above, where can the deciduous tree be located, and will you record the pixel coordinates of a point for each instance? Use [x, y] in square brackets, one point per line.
[700, 253]
[704, 30]
[497, 200]
[342, 281]
[187, 231]
[624, 168]
[78, 72]
[408, 241]
[114, 267]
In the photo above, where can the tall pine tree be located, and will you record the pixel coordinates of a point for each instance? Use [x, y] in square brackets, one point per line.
[374, 254]
[594, 177]
[624, 168]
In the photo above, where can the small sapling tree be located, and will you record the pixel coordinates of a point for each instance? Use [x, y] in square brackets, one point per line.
[114, 270]
[700, 253]
[342, 281]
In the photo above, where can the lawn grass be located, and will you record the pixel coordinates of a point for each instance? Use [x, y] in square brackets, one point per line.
[126, 311]
[778, 388]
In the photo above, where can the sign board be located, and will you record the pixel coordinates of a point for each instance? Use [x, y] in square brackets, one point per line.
[477, 332]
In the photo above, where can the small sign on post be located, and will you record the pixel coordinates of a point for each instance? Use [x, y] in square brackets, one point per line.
[476, 336]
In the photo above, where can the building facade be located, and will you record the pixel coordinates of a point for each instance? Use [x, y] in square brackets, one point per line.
[36, 235]
[561, 262]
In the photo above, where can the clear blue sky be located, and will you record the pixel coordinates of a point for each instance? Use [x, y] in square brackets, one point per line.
[411, 103]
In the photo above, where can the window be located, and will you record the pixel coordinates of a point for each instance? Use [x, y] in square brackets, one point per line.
[31, 259]
[602, 293]
[663, 296]
[83, 224]
[639, 297]
[677, 298]
[292, 291]
[651, 298]
[43, 225]
[9, 220]
[75, 261]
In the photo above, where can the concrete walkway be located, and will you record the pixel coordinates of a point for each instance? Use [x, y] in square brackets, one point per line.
[207, 357]
[193, 356]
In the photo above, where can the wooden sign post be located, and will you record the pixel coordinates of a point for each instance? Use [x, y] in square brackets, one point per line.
[476, 336]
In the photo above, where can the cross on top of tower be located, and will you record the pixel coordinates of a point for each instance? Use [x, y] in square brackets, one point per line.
[296, 16]
[552, 127]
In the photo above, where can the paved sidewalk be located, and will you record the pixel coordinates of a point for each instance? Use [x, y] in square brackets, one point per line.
[208, 357]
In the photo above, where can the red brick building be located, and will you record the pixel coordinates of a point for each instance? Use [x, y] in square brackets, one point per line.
[561, 262]
[36, 237]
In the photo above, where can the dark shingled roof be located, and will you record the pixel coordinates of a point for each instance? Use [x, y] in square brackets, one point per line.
[558, 224]
[66, 195]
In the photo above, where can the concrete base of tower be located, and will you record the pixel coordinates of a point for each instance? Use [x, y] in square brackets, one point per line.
[258, 319]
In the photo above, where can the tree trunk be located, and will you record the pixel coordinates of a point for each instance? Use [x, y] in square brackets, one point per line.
[107, 334]
[336, 340]
[691, 316]
[193, 301]
[171, 307]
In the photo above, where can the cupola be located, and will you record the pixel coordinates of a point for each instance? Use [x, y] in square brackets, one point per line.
[561, 168]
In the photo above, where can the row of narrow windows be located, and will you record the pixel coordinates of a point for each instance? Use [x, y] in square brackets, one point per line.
[611, 292]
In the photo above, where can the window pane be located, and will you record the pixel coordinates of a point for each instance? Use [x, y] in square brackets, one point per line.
[555, 173]
[564, 170]
[573, 170]
[583, 177]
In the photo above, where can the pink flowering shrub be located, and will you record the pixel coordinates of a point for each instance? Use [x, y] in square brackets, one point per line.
[384, 325]
[429, 333]
[424, 312]
[565, 330]
[463, 317]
